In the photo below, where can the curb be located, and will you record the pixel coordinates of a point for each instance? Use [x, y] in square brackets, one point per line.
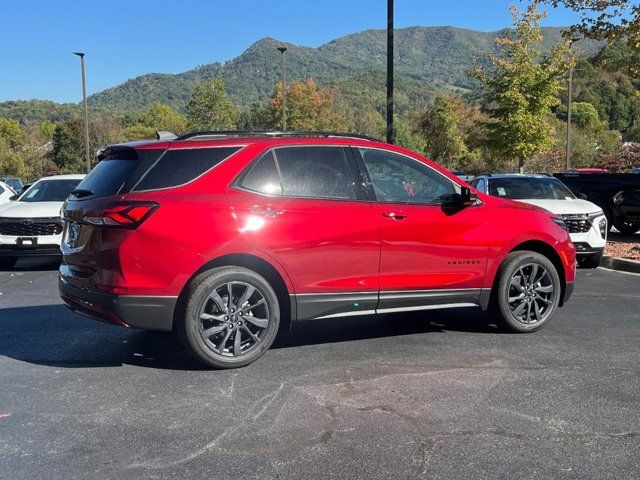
[621, 264]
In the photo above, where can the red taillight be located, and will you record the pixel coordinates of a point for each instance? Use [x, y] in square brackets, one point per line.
[122, 215]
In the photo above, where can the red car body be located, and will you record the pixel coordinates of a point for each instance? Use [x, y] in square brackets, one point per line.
[325, 257]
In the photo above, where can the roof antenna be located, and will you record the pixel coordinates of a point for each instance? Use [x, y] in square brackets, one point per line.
[165, 135]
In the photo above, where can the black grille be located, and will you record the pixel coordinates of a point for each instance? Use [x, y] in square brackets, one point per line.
[35, 227]
[577, 224]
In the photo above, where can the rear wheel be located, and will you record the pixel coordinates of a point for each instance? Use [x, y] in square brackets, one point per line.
[590, 261]
[231, 317]
[526, 293]
[8, 262]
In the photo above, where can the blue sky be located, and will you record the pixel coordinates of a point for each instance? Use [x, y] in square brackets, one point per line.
[126, 38]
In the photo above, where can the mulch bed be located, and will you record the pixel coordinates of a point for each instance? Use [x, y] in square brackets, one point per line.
[623, 246]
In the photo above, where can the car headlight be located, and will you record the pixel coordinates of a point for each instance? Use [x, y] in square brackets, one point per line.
[560, 223]
[602, 225]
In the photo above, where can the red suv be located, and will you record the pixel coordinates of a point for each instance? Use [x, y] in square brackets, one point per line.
[226, 236]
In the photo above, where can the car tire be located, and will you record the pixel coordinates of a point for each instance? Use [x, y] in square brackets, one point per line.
[209, 326]
[514, 298]
[590, 261]
[628, 228]
[6, 263]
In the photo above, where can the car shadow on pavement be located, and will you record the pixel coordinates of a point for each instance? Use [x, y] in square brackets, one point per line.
[34, 265]
[52, 335]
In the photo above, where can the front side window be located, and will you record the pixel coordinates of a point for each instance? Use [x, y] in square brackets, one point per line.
[396, 178]
[315, 172]
[49, 191]
[480, 185]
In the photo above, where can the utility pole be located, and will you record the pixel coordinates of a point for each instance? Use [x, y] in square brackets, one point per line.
[86, 114]
[569, 102]
[284, 88]
[390, 71]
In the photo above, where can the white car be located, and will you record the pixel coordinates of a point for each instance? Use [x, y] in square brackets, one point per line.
[31, 224]
[585, 221]
[5, 193]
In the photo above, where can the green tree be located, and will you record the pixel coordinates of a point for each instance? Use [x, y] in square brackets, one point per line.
[11, 133]
[46, 129]
[405, 136]
[520, 87]
[162, 117]
[11, 164]
[210, 108]
[439, 126]
[606, 19]
[68, 146]
[308, 107]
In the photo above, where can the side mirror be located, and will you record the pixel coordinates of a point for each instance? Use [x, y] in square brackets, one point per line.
[582, 196]
[14, 197]
[463, 199]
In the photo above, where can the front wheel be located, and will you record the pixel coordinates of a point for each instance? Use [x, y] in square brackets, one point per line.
[231, 317]
[590, 261]
[526, 292]
[8, 262]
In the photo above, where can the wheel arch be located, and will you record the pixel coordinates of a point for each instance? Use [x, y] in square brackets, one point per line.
[258, 265]
[548, 251]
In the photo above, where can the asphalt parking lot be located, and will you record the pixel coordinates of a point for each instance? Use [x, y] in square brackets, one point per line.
[427, 395]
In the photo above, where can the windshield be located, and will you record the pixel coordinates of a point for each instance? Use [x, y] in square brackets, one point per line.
[530, 188]
[49, 191]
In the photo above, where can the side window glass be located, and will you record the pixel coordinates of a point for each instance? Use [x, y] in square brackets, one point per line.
[396, 178]
[263, 176]
[480, 185]
[315, 172]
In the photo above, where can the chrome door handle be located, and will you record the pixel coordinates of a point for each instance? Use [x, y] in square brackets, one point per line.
[267, 211]
[395, 215]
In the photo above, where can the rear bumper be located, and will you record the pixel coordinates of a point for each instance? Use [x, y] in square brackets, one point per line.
[41, 250]
[135, 311]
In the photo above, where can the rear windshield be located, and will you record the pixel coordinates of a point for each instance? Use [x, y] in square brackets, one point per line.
[529, 188]
[108, 177]
[49, 191]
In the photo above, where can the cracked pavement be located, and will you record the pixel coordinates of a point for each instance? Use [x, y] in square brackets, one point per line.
[424, 395]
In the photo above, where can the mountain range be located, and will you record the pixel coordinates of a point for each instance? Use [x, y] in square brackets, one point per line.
[427, 59]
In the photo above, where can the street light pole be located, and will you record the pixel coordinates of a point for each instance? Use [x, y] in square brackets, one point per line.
[86, 114]
[284, 88]
[390, 71]
[569, 102]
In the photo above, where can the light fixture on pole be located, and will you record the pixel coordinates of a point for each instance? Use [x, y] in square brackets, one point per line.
[284, 88]
[86, 115]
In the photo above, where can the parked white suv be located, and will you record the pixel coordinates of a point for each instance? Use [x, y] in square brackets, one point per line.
[586, 221]
[31, 225]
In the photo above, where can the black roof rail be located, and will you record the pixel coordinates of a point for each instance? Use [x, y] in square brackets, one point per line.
[276, 133]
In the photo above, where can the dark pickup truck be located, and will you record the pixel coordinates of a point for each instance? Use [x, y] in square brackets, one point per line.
[618, 194]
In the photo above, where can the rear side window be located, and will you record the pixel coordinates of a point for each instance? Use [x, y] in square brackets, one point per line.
[315, 172]
[177, 167]
[263, 177]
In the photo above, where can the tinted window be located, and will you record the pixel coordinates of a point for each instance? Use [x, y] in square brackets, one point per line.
[177, 167]
[108, 176]
[317, 172]
[1, 189]
[263, 176]
[396, 178]
[529, 188]
[49, 191]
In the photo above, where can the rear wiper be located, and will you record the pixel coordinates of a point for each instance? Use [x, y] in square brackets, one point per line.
[81, 192]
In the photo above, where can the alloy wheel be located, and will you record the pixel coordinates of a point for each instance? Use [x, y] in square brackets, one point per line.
[233, 319]
[531, 294]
